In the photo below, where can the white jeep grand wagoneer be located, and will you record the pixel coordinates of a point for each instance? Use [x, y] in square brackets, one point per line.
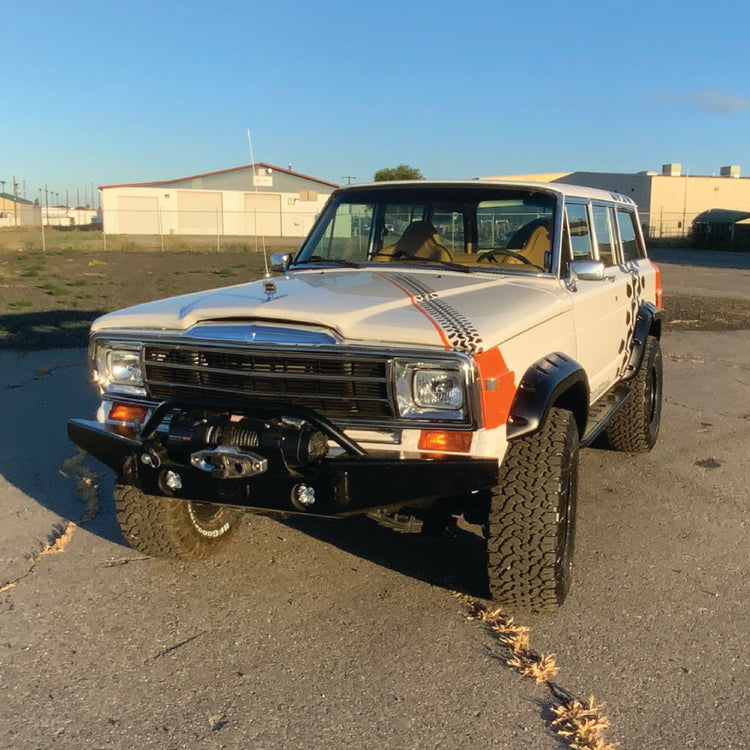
[434, 349]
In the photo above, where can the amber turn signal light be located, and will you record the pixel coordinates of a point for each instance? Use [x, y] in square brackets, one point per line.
[454, 442]
[127, 413]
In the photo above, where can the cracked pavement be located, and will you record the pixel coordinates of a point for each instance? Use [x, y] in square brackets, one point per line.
[338, 634]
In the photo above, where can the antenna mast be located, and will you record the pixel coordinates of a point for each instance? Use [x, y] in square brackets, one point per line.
[255, 212]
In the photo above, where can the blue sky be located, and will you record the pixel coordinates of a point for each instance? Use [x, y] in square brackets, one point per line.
[103, 93]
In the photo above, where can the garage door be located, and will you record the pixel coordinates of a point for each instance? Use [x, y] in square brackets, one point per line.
[263, 214]
[199, 212]
[138, 214]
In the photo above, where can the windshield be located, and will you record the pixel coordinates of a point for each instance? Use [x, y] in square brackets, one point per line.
[464, 228]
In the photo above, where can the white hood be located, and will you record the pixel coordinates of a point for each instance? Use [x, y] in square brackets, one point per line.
[424, 308]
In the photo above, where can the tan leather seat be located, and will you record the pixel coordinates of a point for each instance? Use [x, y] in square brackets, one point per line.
[419, 240]
[533, 241]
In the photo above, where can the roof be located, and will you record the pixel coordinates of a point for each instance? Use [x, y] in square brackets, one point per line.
[555, 188]
[15, 199]
[721, 216]
[255, 165]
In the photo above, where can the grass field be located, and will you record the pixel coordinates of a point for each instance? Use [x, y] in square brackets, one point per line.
[29, 239]
[49, 298]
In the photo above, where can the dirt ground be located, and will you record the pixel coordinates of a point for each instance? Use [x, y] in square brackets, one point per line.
[48, 300]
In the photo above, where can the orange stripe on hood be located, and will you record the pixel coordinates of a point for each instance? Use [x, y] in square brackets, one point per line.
[414, 302]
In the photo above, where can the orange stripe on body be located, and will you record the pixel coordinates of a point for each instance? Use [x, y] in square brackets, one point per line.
[657, 281]
[414, 302]
[496, 403]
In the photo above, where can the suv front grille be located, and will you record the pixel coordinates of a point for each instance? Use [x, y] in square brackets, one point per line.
[352, 386]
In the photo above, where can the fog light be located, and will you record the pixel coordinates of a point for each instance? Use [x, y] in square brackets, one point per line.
[173, 480]
[303, 495]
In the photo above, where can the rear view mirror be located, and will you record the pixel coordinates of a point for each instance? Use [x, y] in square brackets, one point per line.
[280, 261]
[587, 270]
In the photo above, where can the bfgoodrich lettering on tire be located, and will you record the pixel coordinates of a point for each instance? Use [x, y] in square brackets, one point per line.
[531, 529]
[635, 427]
[170, 527]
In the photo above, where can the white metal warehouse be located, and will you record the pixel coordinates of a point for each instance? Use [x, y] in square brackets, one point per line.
[255, 199]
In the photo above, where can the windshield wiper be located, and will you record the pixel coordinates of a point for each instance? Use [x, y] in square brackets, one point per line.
[331, 261]
[445, 263]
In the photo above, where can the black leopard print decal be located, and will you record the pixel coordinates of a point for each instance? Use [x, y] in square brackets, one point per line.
[458, 330]
[635, 289]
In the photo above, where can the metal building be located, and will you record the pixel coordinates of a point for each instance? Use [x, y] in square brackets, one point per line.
[256, 199]
[18, 212]
[668, 202]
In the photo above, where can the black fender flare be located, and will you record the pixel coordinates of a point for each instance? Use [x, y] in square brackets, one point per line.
[647, 323]
[556, 379]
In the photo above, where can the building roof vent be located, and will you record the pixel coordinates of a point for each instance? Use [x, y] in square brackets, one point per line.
[733, 171]
[671, 170]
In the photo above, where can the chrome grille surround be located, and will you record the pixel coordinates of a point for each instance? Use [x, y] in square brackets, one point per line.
[350, 385]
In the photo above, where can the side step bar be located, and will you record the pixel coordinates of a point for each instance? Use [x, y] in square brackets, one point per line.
[601, 411]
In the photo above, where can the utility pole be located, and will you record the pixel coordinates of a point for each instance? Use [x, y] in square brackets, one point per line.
[15, 200]
[348, 178]
[44, 241]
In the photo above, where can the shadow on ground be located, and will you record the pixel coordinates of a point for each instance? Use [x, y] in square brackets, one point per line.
[39, 392]
[53, 329]
[701, 258]
[455, 560]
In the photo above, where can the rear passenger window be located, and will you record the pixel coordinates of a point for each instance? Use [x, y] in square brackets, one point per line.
[579, 230]
[603, 227]
[628, 236]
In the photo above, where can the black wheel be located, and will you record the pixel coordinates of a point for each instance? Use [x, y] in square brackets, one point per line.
[170, 527]
[531, 529]
[635, 427]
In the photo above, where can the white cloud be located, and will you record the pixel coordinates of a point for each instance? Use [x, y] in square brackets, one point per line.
[719, 103]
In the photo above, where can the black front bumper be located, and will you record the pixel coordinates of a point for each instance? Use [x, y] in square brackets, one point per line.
[346, 485]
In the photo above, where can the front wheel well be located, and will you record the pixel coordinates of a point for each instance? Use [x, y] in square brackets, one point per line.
[575, 400]
[556, 380]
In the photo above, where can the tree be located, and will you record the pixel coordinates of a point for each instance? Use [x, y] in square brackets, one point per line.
[401, 172]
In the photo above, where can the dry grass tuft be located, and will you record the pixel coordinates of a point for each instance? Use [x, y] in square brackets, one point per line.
[541, 667]
[580, 724]
[58, 541]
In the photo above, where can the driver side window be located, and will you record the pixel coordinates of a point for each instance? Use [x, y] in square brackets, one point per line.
[579, 231]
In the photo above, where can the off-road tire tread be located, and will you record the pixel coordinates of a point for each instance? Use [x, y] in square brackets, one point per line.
[161, 526]
[523, 525]
[630, 429]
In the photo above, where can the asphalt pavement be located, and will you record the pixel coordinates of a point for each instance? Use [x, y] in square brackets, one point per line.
[339, 634]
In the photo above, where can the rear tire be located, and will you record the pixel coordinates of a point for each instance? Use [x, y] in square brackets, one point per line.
[531, 529]
[171, 527]
[635, 427]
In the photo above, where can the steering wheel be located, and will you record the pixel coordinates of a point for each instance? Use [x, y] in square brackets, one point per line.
[489, 256]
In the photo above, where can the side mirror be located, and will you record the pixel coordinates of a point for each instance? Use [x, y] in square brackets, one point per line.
[587, 270]
[280, 261]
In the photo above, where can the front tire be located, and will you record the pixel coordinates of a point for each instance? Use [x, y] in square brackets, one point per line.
[635, 427]
[531, 529]
[170, 527]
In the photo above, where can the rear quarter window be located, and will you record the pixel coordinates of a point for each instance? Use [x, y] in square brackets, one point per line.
[631, 249]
